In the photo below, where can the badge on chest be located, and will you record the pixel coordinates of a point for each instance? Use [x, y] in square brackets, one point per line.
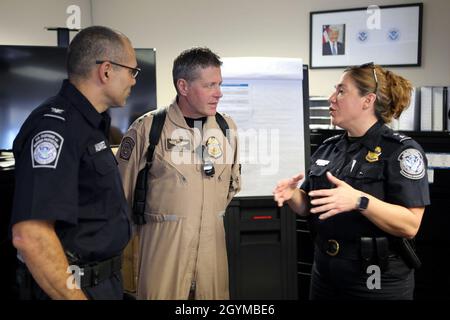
[213, 147]
[373, 156]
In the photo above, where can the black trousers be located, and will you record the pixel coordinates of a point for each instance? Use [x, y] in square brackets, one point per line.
[335, 278]
[28, 289]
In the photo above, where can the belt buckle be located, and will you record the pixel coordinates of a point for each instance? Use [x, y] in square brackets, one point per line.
[335, 247]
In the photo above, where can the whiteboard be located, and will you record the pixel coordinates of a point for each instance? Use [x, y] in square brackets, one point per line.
[264, 96]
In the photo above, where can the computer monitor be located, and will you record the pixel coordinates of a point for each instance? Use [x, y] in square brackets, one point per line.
[31, 74]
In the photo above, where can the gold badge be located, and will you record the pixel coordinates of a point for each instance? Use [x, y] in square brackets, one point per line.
[213, 147]
[372, 156]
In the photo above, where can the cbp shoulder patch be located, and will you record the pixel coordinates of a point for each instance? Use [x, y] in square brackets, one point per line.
[127, 145]
[126, 148]
[46, 147]
[412, 165]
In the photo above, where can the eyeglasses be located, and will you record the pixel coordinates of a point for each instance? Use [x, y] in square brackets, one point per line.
[371, 65]
[134, 71]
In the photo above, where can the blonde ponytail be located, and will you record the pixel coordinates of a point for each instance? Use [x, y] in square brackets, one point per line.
[394, 94]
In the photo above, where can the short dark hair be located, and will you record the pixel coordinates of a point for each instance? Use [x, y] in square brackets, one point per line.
[186, 65]
[91, 44]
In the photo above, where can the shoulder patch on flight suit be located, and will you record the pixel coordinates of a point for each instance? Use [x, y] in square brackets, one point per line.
[45, 149]
[412, 165]
[333, 138]
[126, 148]
[127, 145]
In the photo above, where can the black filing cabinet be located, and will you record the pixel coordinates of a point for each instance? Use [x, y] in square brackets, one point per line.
[261, 241]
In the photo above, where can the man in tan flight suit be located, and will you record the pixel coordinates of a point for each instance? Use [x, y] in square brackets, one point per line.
[194, 175]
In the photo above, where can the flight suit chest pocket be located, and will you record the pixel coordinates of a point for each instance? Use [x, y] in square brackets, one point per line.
[164, 170]
[318, 177]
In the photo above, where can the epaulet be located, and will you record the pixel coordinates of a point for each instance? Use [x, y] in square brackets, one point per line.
[229, 120]
[396, 136]
[333, 138]
[55, 110]
[225, 115]
[141, 118]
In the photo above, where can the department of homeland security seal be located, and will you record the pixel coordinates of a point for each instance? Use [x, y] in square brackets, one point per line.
[393, 34]
[362, 36]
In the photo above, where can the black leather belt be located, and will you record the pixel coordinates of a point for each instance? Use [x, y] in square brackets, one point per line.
[365, 248]
[339, 248]
[93, 274]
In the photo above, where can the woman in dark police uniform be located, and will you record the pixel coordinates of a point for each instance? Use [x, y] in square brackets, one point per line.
[365, 191]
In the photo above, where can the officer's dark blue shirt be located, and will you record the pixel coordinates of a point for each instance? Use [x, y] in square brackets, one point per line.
[387, 165]
[66, 172]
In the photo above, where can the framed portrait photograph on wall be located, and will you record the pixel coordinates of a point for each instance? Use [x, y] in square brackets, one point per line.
[387, 35]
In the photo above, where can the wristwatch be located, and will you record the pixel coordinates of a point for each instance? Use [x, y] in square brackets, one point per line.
[362, 203]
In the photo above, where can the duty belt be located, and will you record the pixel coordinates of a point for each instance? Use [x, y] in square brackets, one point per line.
[367, 249]
[93, 274]
[340, 248]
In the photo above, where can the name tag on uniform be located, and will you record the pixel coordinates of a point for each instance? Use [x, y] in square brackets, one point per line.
[100, 146]
[178, 144]
[97, 147]
[322, 163]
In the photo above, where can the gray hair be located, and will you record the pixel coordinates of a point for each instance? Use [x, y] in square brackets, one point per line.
[91, 44]
[187, 64]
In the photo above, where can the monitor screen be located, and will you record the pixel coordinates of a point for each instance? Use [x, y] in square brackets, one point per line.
[31, 74]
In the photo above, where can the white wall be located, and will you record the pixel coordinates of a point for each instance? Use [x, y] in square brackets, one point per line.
[231, 28]
[258, 27]
[23, 22]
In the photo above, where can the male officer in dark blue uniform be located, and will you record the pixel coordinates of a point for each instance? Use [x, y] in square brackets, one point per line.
[69, 220]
